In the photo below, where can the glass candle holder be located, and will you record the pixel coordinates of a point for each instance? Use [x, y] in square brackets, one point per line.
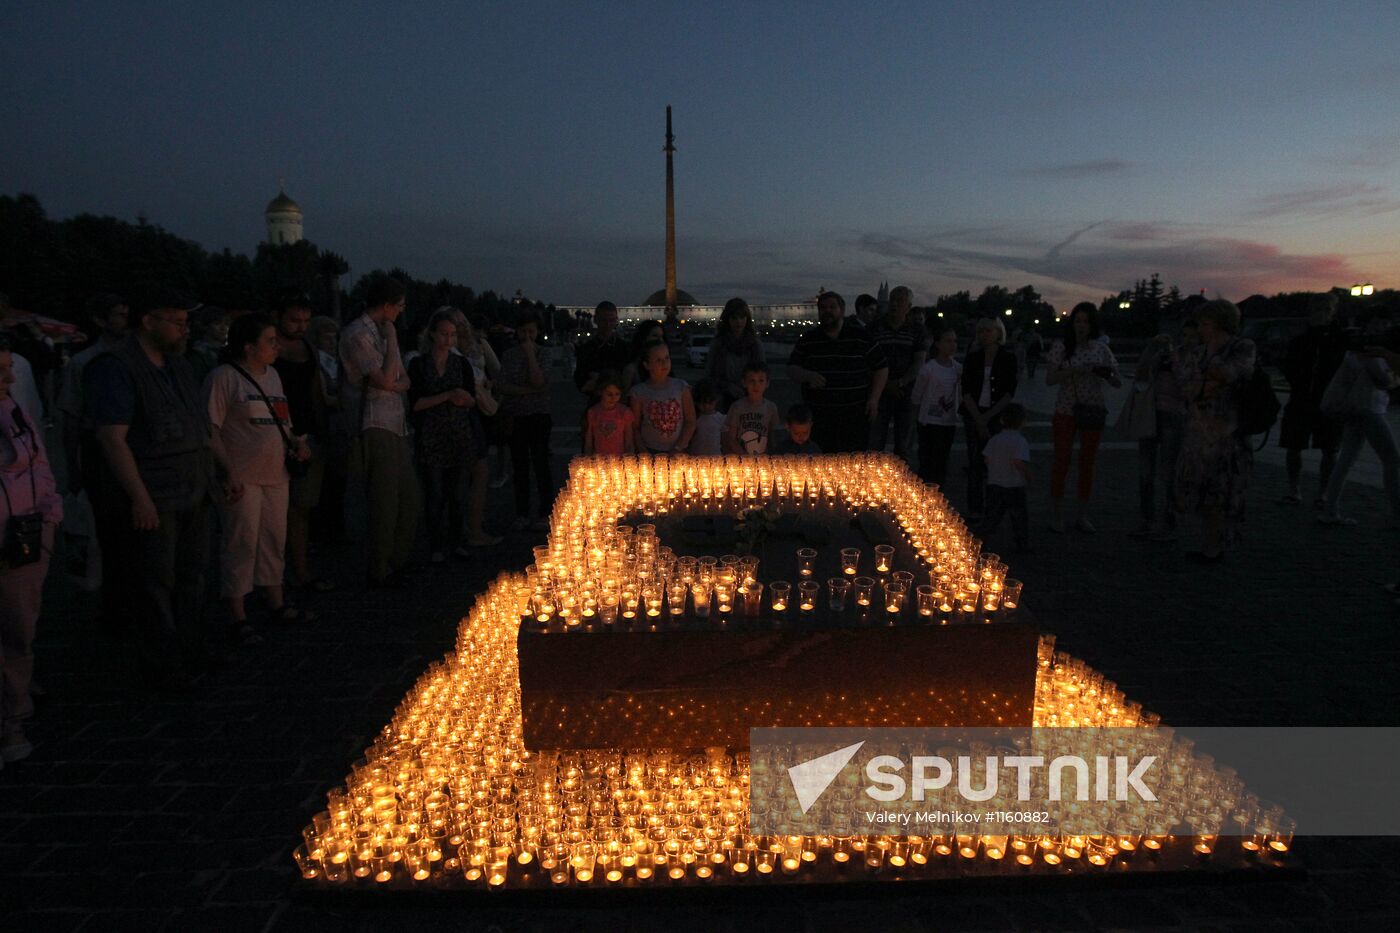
[1011, 595]
[781, 595]
[838, 593]
[884, 558]
[895, 596]
[700, 595]
[675, 598]
[928, 601]
[806, 561]
[864, 591]
[607, 608]
[807, 592]
[752, 595]
[850, 561]
[654, 601]
[724, 598]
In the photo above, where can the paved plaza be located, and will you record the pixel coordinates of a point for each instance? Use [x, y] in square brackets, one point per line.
[143, 812]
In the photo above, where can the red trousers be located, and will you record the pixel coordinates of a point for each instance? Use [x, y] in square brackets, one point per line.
[1088, 452]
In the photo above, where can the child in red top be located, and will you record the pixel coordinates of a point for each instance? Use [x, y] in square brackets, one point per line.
[612, 427]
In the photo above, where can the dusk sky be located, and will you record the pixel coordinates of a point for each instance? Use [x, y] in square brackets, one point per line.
[1232, 147]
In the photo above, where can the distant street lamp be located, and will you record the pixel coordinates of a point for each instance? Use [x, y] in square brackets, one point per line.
[1124, 305]
[1008, 312]
[1359, 290]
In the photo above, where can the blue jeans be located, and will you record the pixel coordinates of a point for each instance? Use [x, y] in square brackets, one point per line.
[1158, 454]
[1372, 428]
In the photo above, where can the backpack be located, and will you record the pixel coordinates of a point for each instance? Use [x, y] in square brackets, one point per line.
[1258, 405]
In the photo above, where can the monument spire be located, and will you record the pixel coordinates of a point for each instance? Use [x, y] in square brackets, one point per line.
[670, 215]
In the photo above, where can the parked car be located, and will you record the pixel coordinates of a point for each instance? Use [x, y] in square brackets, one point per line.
[698, 350]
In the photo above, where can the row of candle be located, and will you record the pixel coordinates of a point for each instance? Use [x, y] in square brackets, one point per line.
[448, 791]
[669, 590]
[587, 548]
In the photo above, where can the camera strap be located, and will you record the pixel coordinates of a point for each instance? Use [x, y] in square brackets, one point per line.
[22, 423]
[286, 438]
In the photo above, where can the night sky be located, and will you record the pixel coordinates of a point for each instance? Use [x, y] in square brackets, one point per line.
[1231, 147]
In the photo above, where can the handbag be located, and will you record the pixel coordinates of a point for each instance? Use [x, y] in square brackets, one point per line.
[296, 468]
[1138, 416]
[486, 403]
[24, 534]
[1349, 391]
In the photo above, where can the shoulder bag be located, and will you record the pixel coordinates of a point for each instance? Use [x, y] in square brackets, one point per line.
[296, 468]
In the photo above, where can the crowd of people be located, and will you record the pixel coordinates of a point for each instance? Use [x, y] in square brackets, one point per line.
[187, 429]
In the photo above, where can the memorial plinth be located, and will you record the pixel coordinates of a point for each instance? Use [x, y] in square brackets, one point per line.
[700, 686]
[693, 682]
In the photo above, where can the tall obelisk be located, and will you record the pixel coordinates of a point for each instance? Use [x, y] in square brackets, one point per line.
[670, 216]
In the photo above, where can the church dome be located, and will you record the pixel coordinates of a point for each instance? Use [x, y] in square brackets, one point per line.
[657, 299]
[282, 204]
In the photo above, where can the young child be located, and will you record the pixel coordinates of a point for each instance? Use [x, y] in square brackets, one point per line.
[1008, 456]
[798, 439]
[611, 428]
[663, 406]
[935, 399]
[751, 419]
[709, 423]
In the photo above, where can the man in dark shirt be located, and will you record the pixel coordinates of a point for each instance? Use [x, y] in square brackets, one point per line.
[300, 372]
[859, 320]
[153, 429]
[1313, 358]
[605, 351]
[842, 377]
[905, 345]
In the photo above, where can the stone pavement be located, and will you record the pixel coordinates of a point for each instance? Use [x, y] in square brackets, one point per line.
[143, 812]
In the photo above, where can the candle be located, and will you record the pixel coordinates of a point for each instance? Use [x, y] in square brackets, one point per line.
[780, 591]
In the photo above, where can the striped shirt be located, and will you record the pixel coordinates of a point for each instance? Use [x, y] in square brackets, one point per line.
[847, 362]
[901, 345]
[362, 349]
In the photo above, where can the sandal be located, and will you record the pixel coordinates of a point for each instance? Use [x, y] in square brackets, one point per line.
[292, 615]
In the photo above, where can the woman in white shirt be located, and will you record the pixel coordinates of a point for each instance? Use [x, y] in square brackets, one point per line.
[935, 398]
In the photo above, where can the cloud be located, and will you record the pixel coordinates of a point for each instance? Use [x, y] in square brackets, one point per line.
[1093, 168]
[1107, 256]
[580, 265]
[1054, 251]
[1322, 201]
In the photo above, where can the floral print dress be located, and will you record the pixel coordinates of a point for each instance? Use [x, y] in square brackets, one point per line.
[1212, 473]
